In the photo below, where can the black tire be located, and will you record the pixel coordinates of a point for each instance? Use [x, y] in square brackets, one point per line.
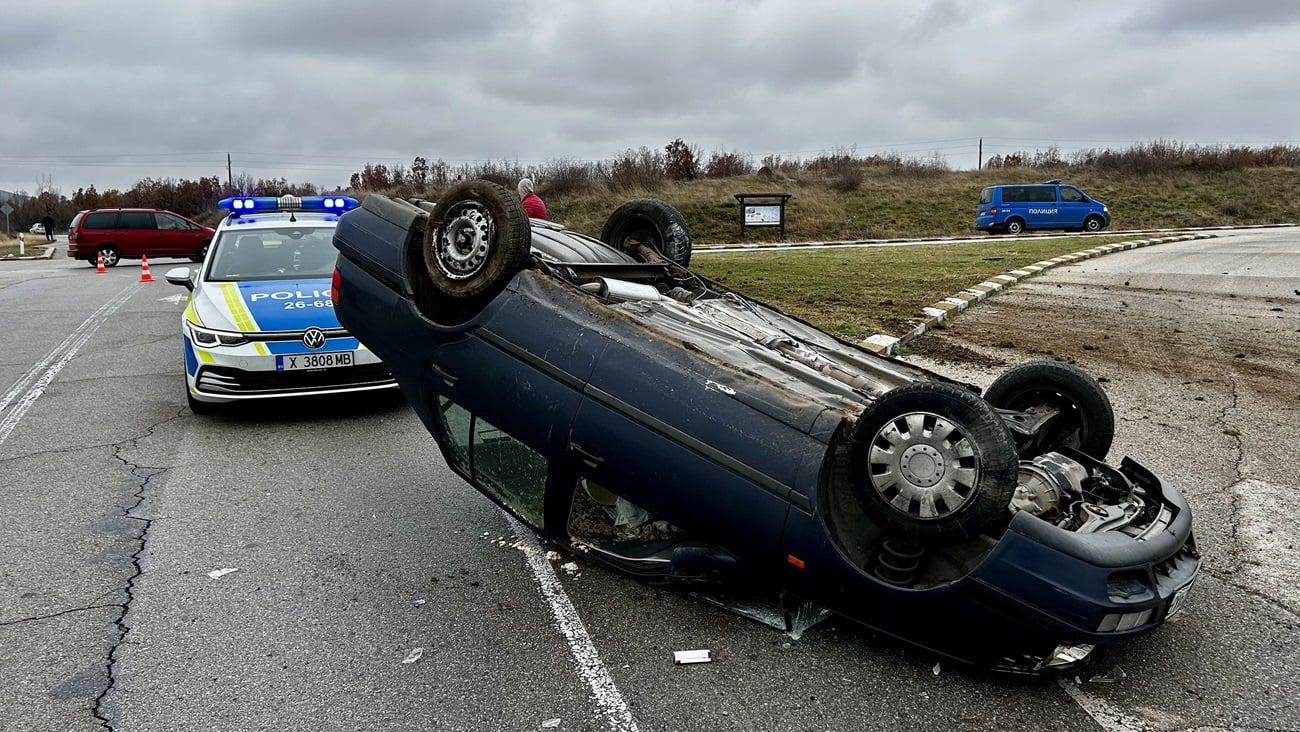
[937, 449]
[1014, 227]
[649, 221]
[202, 253]
[1093, 224]
[1086, 421]
[476, 240]
[111, 256]
[199, 407]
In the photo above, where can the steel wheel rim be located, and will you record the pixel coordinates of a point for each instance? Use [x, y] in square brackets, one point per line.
[923, 466]
[463, 243]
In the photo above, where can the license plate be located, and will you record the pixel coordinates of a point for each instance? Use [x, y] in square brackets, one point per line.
[306, 361]
[1180, 599]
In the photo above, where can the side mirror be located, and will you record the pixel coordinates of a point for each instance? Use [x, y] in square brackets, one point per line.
[180, 276]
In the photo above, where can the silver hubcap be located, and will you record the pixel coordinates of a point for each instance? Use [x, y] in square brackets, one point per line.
[464, 242]
[923, 466]
[110, 257]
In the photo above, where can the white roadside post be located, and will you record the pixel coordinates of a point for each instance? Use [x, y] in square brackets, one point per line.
[22, 249]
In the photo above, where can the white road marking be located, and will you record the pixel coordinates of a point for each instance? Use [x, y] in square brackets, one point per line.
[586, 661]
[176, 299]
[1106, 715]
[60, 355]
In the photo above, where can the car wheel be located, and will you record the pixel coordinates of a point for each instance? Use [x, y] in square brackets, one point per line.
[199, 407]
[1092, 224]
[477, 239]
[933, 463]
[202, 253]
[1086, 421]
[1015, 227]
[649, 221]
[111, 256]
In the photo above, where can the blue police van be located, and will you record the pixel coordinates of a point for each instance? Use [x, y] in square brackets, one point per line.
[1014, 209]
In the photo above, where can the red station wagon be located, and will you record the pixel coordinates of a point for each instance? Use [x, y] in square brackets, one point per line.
[133, 233]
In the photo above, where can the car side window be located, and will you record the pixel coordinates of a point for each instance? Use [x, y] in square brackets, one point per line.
[167, 222]
[1071, 195]
[1044, 194]
[136, 220]
[102, 220]
[498, 463]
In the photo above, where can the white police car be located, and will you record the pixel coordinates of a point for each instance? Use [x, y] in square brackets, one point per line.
[260, 322]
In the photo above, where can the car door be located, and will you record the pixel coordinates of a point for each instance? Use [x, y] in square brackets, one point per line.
[1074, 207]
[1041, 208]
[175, 236]
[673, 435]
[137, 233]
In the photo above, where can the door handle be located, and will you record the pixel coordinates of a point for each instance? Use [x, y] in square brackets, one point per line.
[588, 456]
[448, 376]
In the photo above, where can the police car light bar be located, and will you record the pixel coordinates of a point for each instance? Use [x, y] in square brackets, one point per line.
[260, 204]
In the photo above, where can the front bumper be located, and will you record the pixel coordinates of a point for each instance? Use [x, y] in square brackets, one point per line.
[254, 371]
[1094, 588]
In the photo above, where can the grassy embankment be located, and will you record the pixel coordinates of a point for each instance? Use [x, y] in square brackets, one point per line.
[857, 292]
[891, 205]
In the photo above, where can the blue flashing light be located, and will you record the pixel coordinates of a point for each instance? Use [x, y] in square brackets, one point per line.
[261, 204]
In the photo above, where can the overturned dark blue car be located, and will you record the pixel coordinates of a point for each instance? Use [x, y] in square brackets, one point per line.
[650, 419]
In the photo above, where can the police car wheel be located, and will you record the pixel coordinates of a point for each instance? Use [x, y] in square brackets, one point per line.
[1093, 223]
[1084, 419]
[477, 239]
[933, 463]
[652, 222]
[1015, 227]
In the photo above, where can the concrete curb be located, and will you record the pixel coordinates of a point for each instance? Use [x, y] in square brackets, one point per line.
[749, 246]
[949, 307]
[47, 254]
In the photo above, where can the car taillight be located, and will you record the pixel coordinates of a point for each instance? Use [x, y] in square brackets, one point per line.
[334, 287]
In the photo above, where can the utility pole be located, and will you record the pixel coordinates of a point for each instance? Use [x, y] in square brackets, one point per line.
[979, 163]
[230, 178]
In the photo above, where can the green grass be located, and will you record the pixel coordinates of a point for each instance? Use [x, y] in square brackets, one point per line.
[9, 245]
[855, 292]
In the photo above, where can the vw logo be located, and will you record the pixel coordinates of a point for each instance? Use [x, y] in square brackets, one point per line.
[313, 338]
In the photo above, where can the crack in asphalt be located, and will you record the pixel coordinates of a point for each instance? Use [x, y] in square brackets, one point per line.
[47, 616]
[145, 475]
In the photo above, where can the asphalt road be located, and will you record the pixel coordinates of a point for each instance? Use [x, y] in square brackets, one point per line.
[339, 515]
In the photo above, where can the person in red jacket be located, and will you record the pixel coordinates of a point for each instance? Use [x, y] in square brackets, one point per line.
[533, 205]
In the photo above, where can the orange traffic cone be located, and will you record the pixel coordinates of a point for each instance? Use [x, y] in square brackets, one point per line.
[144, 270]
[99, 268]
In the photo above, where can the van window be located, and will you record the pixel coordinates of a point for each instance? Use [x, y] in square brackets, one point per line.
[172, 223]
[986, 195]
[1015, 194]
[136, 220]
[1042, 194]
[100, 220]
[1072, 195]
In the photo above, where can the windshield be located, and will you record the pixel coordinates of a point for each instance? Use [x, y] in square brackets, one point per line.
[286, 253]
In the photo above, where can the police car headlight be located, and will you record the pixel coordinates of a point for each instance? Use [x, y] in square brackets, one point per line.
[209, 338]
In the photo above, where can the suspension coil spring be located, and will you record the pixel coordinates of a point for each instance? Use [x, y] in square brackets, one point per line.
[897, 562]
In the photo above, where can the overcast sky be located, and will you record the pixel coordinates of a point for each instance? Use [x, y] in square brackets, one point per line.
[107, 93]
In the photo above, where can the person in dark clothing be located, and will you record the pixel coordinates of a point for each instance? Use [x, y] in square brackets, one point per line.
[533, 205]
[48, 223]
